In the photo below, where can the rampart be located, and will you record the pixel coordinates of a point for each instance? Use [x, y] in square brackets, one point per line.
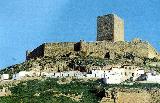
[102, 49]
[105, 49]
[38, 52]
[58, 49]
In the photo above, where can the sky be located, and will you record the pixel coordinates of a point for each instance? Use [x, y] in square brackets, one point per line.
[25, 24]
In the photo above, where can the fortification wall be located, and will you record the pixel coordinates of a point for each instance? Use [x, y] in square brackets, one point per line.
[38, 52]
[133, 97]
[58, 49]
[152, 52]
[101, 48]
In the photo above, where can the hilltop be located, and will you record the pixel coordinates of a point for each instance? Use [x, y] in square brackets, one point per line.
[110, 50]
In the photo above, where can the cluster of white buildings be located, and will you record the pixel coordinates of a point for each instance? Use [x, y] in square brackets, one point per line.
[111, 75]
[116, 74]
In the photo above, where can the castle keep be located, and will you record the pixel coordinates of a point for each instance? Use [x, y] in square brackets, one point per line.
[110, 28]
[110, 43]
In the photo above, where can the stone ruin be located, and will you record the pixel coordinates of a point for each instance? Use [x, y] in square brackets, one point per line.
[110, 28]
[110, 43]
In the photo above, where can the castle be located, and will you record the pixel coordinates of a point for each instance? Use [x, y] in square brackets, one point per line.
[110, 43]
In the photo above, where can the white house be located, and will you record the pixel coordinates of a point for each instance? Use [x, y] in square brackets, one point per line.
[153, 78]
[23, 74]
[137, 74]
[114, 76]
[58, 74]
[113, 79]
[19, 75]
[97, 73]
[76, 74]
[4, 76]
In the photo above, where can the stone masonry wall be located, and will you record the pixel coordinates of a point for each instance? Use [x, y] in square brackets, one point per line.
[58, 49]
[118, 29]
[38, 52]
[152, 52]
[110, 28]
[133, 97]
[102, 49]
[99, 49]
[105, 27]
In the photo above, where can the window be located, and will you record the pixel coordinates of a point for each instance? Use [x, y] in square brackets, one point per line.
[125, 74]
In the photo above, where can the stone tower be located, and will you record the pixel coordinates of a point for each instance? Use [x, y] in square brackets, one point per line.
[110, 28]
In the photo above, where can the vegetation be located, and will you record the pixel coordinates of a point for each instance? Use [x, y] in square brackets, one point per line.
[77, 91]
[49, 91]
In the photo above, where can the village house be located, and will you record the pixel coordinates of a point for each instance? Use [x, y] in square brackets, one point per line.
[115, 75]
[4, 76]
[149, 77]
[23, 74]
[112, 75]
[76, 74]
[132, 72]
[118, 74]
[152, 78]
[109, 74]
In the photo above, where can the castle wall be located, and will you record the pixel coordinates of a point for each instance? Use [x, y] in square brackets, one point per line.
[152, 52]
[38, 52]
[58, 49]
[133, 97]
[102, 49]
